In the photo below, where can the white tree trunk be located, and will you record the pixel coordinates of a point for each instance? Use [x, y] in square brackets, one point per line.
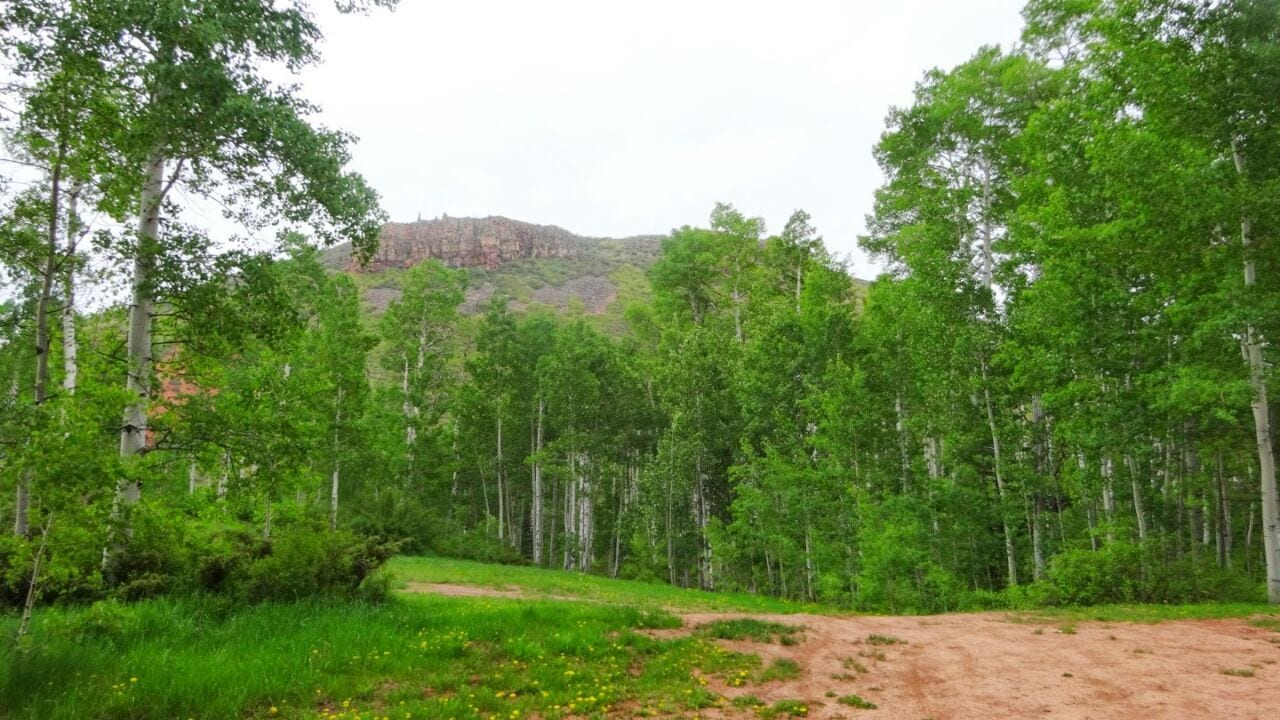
[410, 432]
[224, 477]
[536, 504]
[570, 514]
[702, 515]
[133, 436]
[988, 257]
[22, 504]
[586, 516]
[502, 490]
[70, 347]
[1252, 345]
[1139, 509]
[1108, 497]
[1010, 556]
[809, 569]
[337, 463]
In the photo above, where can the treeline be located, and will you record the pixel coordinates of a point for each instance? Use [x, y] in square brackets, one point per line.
[1058, 393]
[1061, 383]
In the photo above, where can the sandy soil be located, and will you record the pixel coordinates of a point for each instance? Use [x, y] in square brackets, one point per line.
[956, 667]
[990, 665]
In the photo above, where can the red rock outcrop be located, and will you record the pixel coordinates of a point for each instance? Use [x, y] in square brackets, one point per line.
[467, 242]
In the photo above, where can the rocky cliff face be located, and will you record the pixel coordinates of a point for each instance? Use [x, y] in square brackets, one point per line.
[467, 242]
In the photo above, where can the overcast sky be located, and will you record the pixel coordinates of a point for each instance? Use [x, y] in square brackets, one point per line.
[615, 120]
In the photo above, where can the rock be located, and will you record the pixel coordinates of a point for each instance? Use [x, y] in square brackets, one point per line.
[467, 242]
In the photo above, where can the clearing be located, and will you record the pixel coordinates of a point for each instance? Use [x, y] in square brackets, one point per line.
[1130, 663]
[471, 641]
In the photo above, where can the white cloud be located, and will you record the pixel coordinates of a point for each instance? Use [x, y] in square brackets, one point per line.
[613, 119]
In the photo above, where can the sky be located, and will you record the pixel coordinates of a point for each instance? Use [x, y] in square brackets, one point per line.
[615, 119]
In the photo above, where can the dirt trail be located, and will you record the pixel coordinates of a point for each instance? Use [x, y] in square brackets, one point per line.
[454, 590]
[982, 666]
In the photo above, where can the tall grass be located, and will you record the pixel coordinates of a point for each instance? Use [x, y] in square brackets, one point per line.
[416, 656]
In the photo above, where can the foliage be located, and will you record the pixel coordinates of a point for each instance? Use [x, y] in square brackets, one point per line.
[1041, 402]
[1124, 573]
[204, 658]
[746, 629]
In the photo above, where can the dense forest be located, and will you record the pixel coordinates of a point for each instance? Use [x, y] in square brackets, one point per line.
[1058, 392]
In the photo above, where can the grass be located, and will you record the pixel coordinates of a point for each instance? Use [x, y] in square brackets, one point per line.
[761, 631]
[557, 583]
[1237, 672]
[849, 663]
[856, 701]
[418, 655]
[1146, 613]
[783, 709]
[428, 656]
[877, 639]
[1271, 623]
[780, 669]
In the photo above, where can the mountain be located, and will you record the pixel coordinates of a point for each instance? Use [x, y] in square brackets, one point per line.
[533, 265]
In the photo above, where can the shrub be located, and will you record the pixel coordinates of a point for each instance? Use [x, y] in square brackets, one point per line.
[151, 558]
[302, 564]
[477, 544]
[1122, 572]
[898, 574]
[69, 572]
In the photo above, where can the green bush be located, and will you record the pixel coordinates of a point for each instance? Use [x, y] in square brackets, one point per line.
[1122, 572]
[167, 553]
[70, 570]
[401, 516]
[307, 564]
[475, 544]
[898, 574]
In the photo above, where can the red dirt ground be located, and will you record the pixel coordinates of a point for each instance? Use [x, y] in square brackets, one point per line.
[991, 665]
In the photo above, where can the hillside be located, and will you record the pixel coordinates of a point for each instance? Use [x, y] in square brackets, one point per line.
[533, 265]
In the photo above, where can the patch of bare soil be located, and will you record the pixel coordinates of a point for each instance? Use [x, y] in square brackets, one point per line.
[462, 590]
[989, 665]
[956, 667]
[456, 590]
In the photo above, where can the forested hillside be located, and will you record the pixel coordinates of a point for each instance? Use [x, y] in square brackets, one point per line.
[1057, 393]
[535, 267]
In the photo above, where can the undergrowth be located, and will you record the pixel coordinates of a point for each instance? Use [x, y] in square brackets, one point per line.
[422, 656]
